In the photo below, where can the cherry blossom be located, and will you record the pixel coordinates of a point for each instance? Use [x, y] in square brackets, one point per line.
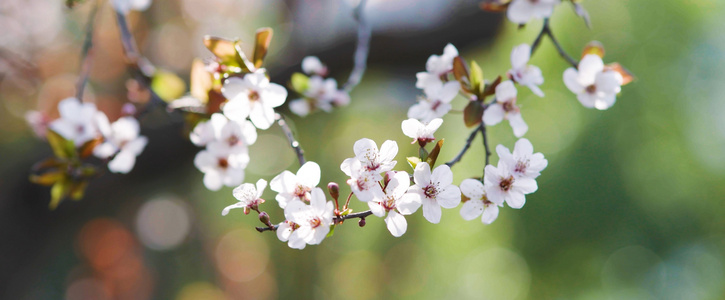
[505, 108]
[248, 195]
[396, 203]
[122, 142]
[594, 85]
[221, 165]
[296, 186]
[365, 184]
[321, 94]
[312, 65]
[437, 102]
[436, 66]
[124, 6]
[435, 190]
[314, 220]
[478, 204]
[77, 122]
[522, 11]
[285, 230]
[219, 128]
[501, 185]
[38, 121]
[523, 73]
[372, 159]
[254, 97]
[523, 162]
[421, 133]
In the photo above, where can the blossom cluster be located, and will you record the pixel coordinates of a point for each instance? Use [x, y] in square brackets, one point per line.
[317, 91]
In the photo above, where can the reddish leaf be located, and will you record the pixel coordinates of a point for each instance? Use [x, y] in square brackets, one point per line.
[261, 43]
[473, 113]
[627, 76]
[433, 156]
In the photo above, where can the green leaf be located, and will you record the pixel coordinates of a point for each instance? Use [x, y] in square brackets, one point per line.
[62, 148]
[413, 161]
[168, 86]
[473, 113]
[300, 82]
[346, 212]
[422, 153]
[332, 231]
[433, 156]
[48, 178]
[222, 48]
[59, 191]
[261, 44]
[78, 189]
[477, 82]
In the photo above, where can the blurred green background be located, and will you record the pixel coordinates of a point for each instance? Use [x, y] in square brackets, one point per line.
[628, 208]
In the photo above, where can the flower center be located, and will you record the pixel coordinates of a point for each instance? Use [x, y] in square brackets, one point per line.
[388, 204]
[510, 105]
[315, 222]
[591, 89]
[506, 183]
[253, 95]
[223, 163]
[521, 166]
[301, 192]
[436, 104]
[430, 191]
[233, 140]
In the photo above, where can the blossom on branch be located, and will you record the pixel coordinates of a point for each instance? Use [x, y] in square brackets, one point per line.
[121, 141]
[523, 162]
[522, 11]
[365, 184]
[221, 165]
[254, 97]
[78, 121]
[219, 128]
[437, 101]
[396, 203]
[477, 203]
[372, 159]
[505, 108]
[312, 222]
[296, 186]
[434, 190]
[501, 185]
[249, 196]
[435, 67]
[523, 73]
[312, 65]
[595, 85]
[421, 133]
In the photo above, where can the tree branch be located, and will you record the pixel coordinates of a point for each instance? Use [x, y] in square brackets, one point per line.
[469, 140]
[485, 143]
[335, 220]
[546, 30]
[291, 138]
[86, 54]
[362, 49]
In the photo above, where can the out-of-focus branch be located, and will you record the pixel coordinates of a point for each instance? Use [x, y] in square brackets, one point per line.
[362, 49]
[546, 30]
[291, 138]
[86, 54]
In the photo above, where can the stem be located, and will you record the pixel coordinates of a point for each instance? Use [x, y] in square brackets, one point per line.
[344, 208]
[263, 229]
[465, 147]
[485, 143]
[546, 30]
[86, 54]
[362, 49]
[537, 41]
[291, 138]
[362, 214]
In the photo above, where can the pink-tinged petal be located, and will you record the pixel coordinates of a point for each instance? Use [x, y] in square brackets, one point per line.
[536, 90]
[471, 209]
[431, 210]
[237, 109]
[309, 174]
[520, 56]
[249, 132]
[388, 151]
[398, 185]
[505, 154]
[449, 91]
[234, 177]
[205, 161]
[409, 203]
[609, 82]
[65, 128]
[589, 66]
[495, 194]
[226, 210]
[489, 214]
[70, 108]
[136, 146]
[296, 211]
[425, 80]
[587, 99]
[433, 125]
[517, 124]
[296, 242]
[318, 200]
[605, 101]
[491, 175]
[377, 209]
[520, 11]
[284, 230]
[421, 111]
[346, 165]
[538, 163]
[284, 199]
[375, 193]
[261, 185]
[471, 188]
[285, 182]
[202, 134]
[300, 107]
[505, 91]
[494, 114]
[105, 150]
[274, 95]
[261, 115]
[571, 80]
[213, 180]
[305, 232]
[122, 163]
[515, 199]
[422, 175]
[244, 193]
[104, 127]
[365, 149]
[449, 52]
[449, 197]
[234, 87]
[526, 185]
[396, 223]
[411, 128]
[523, 148]
[442, 175]
[319, 234]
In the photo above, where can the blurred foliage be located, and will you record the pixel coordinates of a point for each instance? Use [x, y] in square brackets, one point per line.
[628, 208]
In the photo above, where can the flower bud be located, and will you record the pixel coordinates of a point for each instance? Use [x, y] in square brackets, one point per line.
[388, 176]
[361, 223]
[264, 218]
[128, 109]
[246, 210]
[334, 190]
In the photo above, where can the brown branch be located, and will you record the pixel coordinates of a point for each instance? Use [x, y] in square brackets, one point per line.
[291, 138]
[466, 146]
[485, 143]
[86, 54]
[546, 30]
[362, 49]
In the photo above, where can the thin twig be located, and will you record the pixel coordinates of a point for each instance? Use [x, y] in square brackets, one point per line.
[291, 138]
[86, 54]
[485, 143]
[361, 215]
[263, 229]
[537, 41]
[362, 49]
[546, 30]
[469, 140]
